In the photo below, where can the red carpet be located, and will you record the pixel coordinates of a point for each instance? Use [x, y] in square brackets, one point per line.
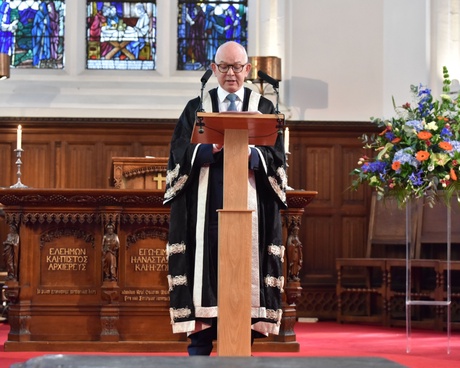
[329, 339]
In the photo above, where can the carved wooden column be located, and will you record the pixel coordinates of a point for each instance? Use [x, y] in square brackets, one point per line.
[18, 317]
[110, 291]
[292, 218]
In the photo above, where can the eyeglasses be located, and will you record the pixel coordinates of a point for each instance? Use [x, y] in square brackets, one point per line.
[224, 68]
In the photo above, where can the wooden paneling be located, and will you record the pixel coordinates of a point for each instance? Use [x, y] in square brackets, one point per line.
[316, 160]
[6, 152]
[37, 165]
[350, 156]
[76, 153]
[335, 223]
[354, 237]
[321, 236]
[76, 174]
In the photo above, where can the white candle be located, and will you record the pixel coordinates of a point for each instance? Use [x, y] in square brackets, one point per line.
[19, 138]
[286, 140]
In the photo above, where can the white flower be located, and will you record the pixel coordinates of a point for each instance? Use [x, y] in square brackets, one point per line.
[432, 126]
[445, 97]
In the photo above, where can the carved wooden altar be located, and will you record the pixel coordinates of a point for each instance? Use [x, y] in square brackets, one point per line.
[60, 299]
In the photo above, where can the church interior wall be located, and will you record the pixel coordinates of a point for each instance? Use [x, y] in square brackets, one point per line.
[340, 61]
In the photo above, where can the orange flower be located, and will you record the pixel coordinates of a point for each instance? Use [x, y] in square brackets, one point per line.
[383, 132]
[453, 175]
[424, 135]
[396, 165]
[446, 146]
[442, 118]
[422, 155]
[396, 140]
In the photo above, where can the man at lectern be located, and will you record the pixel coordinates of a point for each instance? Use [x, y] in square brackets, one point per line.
[194, 189]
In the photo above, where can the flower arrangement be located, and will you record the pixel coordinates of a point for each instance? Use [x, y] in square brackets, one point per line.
[417, 152]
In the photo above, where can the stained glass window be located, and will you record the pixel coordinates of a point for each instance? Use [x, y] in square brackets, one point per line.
[121, 35]
[203, 26]
[32, 33]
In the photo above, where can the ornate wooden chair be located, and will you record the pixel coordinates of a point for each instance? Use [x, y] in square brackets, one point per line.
[363, 297]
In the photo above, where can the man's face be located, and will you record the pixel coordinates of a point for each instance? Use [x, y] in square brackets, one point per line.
[231, 81]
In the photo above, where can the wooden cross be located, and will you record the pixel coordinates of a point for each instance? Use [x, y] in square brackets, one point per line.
[159, 178]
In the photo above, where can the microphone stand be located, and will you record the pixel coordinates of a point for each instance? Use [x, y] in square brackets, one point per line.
[277, 111]
[199, 121]
[275, 84]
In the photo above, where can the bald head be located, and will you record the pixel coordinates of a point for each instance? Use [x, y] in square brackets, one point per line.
[231, 48]
[229, 55]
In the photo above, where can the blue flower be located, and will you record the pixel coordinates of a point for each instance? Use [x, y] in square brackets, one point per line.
[445, 132]
[406, 156]
[390, 136]
[375, 167]
[416, 178]
[416, 124]
[455, 147]
[424, 104]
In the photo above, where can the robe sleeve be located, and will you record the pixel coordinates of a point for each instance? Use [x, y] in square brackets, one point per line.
[182, 153]
[272, 159]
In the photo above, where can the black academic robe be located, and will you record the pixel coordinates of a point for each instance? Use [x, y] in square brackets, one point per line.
[194, 192]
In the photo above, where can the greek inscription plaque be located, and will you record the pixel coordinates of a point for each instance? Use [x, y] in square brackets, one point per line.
[150, 260]
[67, 262]
[146, 264]
[67, 259]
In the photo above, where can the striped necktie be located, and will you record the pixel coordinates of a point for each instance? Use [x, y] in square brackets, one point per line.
[232, 98]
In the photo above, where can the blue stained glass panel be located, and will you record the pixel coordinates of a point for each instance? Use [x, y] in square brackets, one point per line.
[203, 26]
[32, 33]
[121, 35]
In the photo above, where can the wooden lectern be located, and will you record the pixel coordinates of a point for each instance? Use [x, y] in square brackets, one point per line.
[235, 130]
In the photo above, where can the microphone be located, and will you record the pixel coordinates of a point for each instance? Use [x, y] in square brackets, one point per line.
[207, 74]
[268, 79]
[273, 82]
[199, 121]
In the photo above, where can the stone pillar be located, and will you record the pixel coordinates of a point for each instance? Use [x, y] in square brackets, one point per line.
[267, 25]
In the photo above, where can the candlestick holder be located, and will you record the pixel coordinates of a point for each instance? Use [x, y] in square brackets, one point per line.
[18, 164]
[287, 166]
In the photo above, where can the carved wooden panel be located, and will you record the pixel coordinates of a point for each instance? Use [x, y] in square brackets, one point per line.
[65, 248]
[62, 293]
[61, 270]
[139, 172]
